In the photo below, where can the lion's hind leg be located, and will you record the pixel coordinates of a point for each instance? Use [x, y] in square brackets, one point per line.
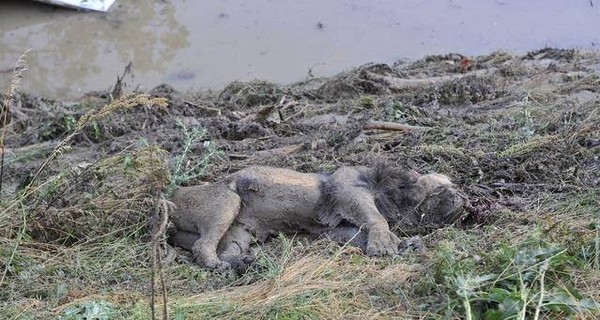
[208, 211]
[205, 248]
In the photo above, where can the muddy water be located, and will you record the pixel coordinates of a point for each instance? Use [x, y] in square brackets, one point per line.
[206, 44]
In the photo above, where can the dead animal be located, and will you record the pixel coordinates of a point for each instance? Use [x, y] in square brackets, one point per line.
[218, 221]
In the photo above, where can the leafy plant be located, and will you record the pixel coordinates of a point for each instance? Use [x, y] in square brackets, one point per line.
[532, 283]
[185, 169]
[525, 123]
[91, 310]
[366, 102]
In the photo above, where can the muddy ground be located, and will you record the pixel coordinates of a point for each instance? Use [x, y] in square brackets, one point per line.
[520, 135]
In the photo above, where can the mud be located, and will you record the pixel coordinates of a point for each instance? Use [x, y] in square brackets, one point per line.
[208, 44]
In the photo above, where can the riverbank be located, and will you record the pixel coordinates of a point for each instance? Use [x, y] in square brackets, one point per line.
[84, 182]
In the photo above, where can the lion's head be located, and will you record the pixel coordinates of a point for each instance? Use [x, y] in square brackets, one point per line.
[414, 202]
[435, 201]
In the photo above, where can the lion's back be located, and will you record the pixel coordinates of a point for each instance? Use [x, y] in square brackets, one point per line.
[276, 198]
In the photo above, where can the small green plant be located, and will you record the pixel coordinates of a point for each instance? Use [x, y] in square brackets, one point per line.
[70, 123]
[396, 111]
[97, 132]
[186, 170]
[91, 310]
[402, 112]
[366, 102]
[525, 123]
[590, 253]
[533, 283]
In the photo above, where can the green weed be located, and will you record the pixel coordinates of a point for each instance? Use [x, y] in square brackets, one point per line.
[184, 169]
[531, 280]
[97, 310]
[366, 102]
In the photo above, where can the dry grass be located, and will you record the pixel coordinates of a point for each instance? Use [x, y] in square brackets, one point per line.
[311, 285]
[79, 219]
[9, 102]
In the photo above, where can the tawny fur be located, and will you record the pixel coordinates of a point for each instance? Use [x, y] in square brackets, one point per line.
[218, 221]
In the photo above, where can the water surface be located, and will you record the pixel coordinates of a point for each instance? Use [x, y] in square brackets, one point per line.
[206, 44]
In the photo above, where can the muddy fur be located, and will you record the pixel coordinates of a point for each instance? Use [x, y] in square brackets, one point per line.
[217, 222]
[412, 207]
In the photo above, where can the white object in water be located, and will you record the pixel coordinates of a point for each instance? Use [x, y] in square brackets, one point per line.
[95, 5]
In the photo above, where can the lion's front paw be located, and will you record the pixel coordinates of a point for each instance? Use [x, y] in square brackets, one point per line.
[382, 243]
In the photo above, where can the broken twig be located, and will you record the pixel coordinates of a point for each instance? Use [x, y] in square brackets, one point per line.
[395, 83]
[390, 126]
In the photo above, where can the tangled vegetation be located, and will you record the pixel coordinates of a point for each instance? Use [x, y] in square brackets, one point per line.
[85, 183]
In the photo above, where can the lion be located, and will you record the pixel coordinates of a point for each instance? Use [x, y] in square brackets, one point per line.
[218, 221]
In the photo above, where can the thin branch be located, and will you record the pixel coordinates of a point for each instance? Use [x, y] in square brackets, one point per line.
[161, 218]
[395, 83]
[390, 126]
